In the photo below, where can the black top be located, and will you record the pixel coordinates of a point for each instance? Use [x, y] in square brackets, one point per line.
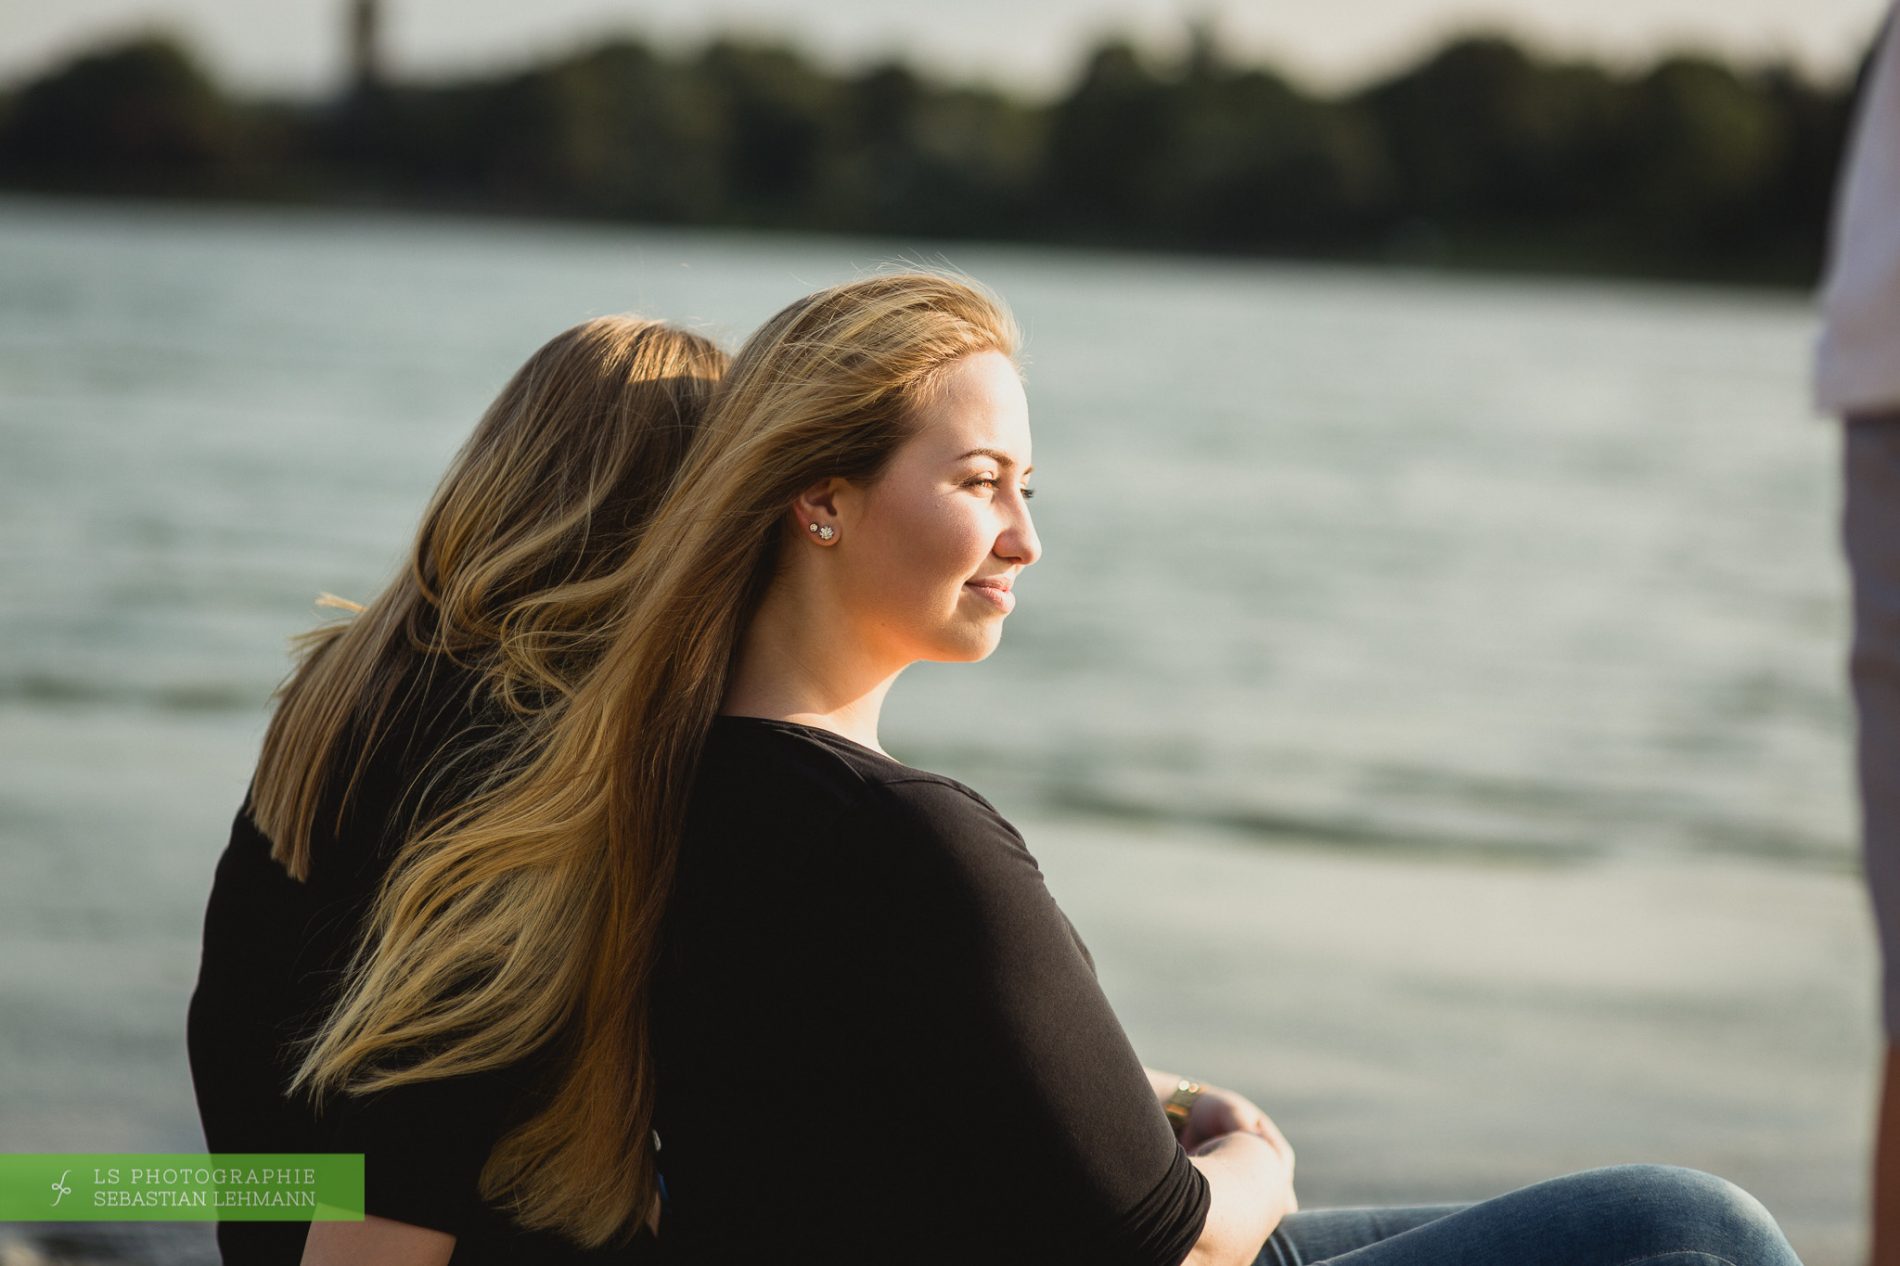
[879, 1039]
[274, 947]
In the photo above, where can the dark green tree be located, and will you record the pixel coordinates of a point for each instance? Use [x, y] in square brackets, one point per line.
[139, 114]
[1706, 148]
[1254, 163]
[1108, 147]
[776, 112]
[1480, 131]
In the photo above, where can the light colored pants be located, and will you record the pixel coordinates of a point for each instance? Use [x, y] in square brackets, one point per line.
[1619, 1215]
[1870, 533]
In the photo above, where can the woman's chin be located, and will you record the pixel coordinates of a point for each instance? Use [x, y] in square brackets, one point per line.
[974, 644]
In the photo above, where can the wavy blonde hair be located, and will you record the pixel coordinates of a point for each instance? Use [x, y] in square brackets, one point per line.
[516, 564]
[529, 919]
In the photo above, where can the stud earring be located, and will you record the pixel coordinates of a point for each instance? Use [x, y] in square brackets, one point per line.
[824, 533]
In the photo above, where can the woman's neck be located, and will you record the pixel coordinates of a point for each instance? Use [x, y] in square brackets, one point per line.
[792, 668]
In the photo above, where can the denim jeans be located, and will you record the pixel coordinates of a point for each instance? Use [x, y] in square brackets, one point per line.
[1619, 1215]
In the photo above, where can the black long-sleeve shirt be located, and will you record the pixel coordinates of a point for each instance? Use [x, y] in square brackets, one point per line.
[879, 1039]
[274, 948]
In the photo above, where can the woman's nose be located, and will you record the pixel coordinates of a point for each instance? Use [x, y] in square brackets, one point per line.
[1020, 542]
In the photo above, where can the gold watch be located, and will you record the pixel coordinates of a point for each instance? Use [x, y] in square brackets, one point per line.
[1185, 1093]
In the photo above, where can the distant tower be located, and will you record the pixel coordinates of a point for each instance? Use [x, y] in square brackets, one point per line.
[365, 25]
[1204, 59]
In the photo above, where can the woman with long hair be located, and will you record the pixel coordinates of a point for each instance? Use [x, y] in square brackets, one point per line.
[437, 686]
[816, 998]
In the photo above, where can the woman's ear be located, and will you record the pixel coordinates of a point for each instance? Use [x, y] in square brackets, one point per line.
[818, 503]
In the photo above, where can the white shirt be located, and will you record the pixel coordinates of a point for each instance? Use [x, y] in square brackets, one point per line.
[1857, 356]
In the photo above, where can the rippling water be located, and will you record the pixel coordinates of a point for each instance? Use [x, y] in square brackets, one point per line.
[1457, 563]
[1382, 559]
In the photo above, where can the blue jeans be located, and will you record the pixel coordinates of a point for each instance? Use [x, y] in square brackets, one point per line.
[1619, 1215]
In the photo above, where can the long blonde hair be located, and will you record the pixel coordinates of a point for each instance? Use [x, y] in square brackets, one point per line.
[530, 918]
[513, 569]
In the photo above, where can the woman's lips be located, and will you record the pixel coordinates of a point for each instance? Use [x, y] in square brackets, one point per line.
[1003, 598]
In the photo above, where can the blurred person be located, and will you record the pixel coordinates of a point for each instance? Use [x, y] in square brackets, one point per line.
[821, 1000]
[1857, 376]
[387, 720]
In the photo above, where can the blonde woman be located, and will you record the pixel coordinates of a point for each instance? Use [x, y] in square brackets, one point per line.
[817, 1000]
[428, 691]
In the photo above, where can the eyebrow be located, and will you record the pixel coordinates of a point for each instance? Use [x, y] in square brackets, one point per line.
[1002, 459]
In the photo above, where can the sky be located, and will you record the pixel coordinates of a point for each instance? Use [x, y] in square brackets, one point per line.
[1034, 47]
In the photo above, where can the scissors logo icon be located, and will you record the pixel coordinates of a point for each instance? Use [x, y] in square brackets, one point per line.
[62, 1189]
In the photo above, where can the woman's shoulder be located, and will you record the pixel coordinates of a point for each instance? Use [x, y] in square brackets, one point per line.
[857, 777]
[849, 802]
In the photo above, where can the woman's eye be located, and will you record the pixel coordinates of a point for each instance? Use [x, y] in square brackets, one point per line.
[992, 481]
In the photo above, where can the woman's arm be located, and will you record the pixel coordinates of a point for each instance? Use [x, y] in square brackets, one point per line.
[376, 1242]
[982, 987]
[1250, 1188]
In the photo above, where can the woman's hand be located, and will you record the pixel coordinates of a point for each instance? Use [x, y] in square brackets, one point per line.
[1219, 1112]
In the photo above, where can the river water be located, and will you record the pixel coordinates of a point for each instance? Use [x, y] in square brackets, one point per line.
[1502, 569]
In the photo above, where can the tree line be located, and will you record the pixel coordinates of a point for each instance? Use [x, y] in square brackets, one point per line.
[1483, 152]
